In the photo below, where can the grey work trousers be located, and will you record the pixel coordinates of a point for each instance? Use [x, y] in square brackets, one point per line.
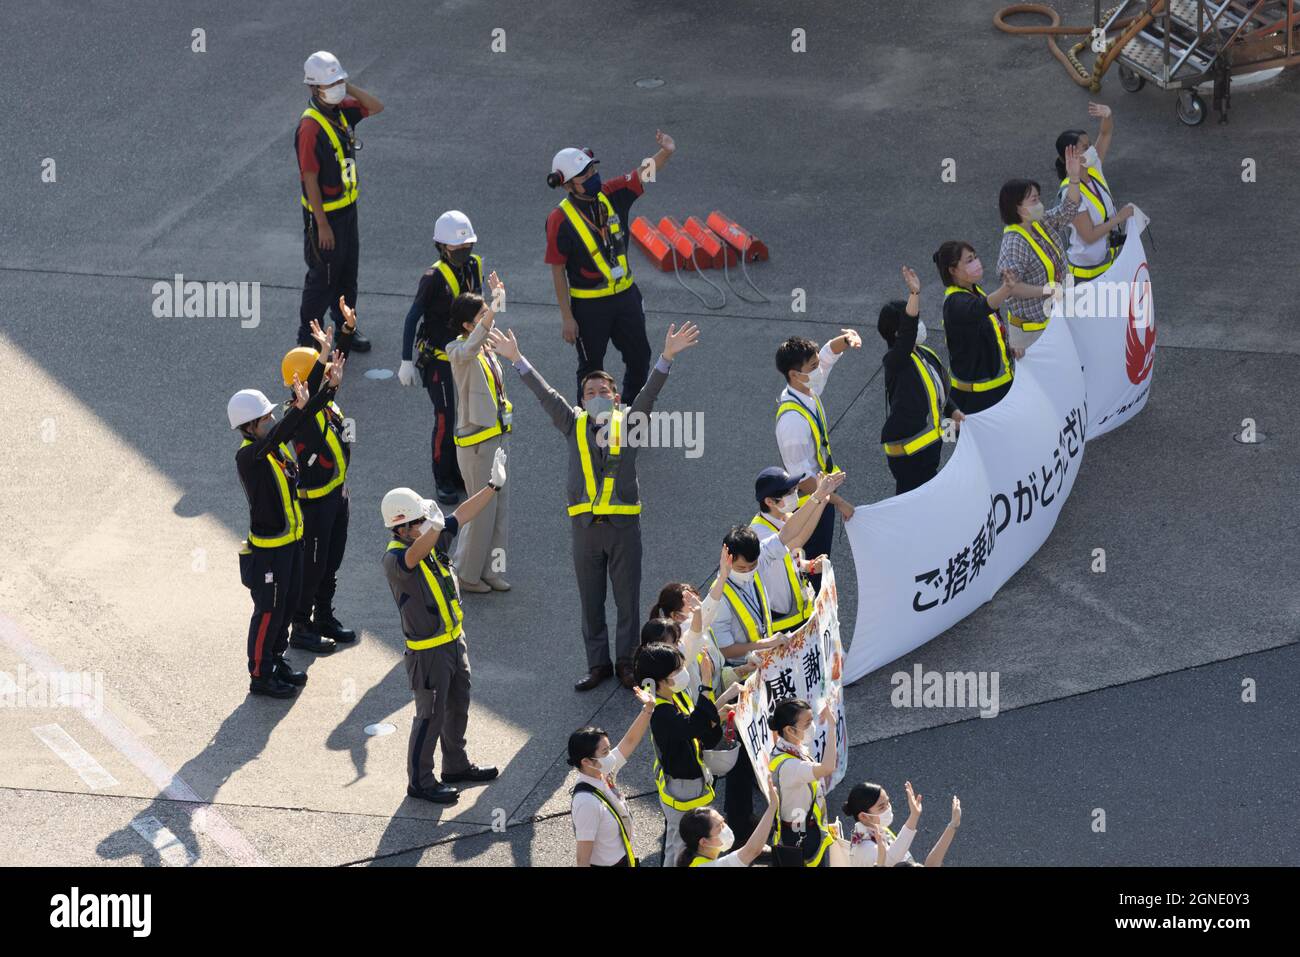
[604, 550]
[481, 545]
[440, 681]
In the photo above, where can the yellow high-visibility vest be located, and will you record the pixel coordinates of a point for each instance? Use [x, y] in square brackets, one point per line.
[931, 432]
[821, 440]
[827, 838]
[682, 702]
[292, 510]
[802, 610]
[742, 613]
[1092, 272]
[453, 285]
[1003, 374]
[612, 285]
[449, 612]
[585, 788]
[336, 450]
[499, 402]
[347, 168]
[1044, 258]
[602, 504]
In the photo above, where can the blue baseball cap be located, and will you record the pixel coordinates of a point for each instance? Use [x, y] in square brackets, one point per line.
[773, 482]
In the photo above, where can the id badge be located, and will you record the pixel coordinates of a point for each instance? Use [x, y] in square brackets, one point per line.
[616, 272]
[505, 419]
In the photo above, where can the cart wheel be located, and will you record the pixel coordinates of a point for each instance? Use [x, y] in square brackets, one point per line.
[1131, 80]
[1190, 108]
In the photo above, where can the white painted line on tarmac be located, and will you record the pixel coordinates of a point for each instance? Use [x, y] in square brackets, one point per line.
[171, 850]
[75, 756]
[203, 816]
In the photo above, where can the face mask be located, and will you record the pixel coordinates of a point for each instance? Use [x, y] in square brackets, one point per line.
[886, 819]
[810, 736]
[678, 680]
[333, 95]
[744, 578]
[1035, 211]
[598, 405]
[975, 270]
[606, 762]
[1090, 157]
[920, 332]
[790, 503]
[458, 257]
[726, 840]
[591, 186]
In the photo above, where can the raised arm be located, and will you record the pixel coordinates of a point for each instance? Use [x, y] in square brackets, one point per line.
[555, 405]
[637, 731]
[1107, 128]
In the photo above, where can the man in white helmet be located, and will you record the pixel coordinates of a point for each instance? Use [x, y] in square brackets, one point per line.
[271, 559]
[423, 583]
[458, 269]
[586, 248]
[326, 145]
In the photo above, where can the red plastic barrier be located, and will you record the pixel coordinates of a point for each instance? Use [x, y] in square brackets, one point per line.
[681, 243]
[737, 237]
[709, 249]
[653, 243]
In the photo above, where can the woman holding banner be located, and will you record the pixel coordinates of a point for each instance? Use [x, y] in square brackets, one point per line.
[1095, 239]
[803, 833]
[979, 366]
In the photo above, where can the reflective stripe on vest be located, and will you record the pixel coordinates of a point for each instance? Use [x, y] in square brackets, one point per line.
[336, 450]
[1003, 376]
[584, 788]
[682, 702]
[499, 402]
[931, 433]
[1092, 272]
[602, 504]
[445, 612]
[1092, 197]
[453, 286]
[1045, 259]
[347, 168]
[802, 609]
[827, 838]
[292, 510]
[580, 227]
[821, 442]
[742, 613]
[697, 861]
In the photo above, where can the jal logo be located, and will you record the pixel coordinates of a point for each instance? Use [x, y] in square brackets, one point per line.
[1140, 339]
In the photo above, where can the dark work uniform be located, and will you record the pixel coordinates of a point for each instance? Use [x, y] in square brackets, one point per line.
[330, 272]
[322, 463]
[909, 413]
[270, 564]
[617, 318]
[976, 347]
[427, 333]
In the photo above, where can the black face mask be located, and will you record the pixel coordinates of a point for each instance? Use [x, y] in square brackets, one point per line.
[459, 257]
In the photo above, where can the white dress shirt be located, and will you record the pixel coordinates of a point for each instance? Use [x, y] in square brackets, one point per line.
[863, 850]
[795, 778]
[794, 438]
[1094, 253]
[592, 820]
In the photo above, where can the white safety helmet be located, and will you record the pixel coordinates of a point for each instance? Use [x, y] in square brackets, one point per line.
[323, 69]
[402, 505]
[721, 761]
[570, 162]
[453, 228]
[247, 405]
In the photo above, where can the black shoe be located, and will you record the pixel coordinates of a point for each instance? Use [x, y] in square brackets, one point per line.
[272, 687]
[283, 670]
[626, 674]
[438, 794]
[328, 626]
[448, 494]
[472, 773]
[359, 343]
[594, 677]
[310, 641]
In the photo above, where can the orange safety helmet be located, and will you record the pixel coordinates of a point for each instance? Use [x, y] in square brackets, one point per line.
[299, 360]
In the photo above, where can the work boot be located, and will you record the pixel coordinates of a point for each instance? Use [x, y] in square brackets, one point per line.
[283, 670]
[306, 639]
[594, 677]
[271, 686]
[326, 625]
[359, 343]
[439, 793]
[472, 773]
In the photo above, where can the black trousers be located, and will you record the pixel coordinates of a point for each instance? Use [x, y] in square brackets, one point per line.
[442, 392]
[970, 402]
[324, 539]
[819, 543]
[913, 471]
[619, 319]
[274, 577]
[738, 801]
[330, 272]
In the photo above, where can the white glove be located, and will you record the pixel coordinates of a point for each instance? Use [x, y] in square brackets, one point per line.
[498, 477]
[407, 374]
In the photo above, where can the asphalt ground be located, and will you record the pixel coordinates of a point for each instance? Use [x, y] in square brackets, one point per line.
[122, 513]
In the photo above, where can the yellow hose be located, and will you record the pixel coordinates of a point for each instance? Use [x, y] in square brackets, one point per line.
[1074, 67]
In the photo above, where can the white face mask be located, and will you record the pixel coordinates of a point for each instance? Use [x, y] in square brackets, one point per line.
[598, 405]
[333, 95]
[790, 503]
[606, 762]
[1090, 157]
[920, 333]
[678, 680]
[726, 840]
[886, 819]
[743, 578]
[1035, 212]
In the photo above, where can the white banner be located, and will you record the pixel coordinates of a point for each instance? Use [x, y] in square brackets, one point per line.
[928, 558]
[808, 666]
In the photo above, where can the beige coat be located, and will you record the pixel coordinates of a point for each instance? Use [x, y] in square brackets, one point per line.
[475, 409]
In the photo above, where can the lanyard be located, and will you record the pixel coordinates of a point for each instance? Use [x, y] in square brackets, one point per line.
[816, 412]
[755, 607]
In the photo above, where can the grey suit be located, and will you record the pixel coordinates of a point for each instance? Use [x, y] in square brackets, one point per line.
[608, 545]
